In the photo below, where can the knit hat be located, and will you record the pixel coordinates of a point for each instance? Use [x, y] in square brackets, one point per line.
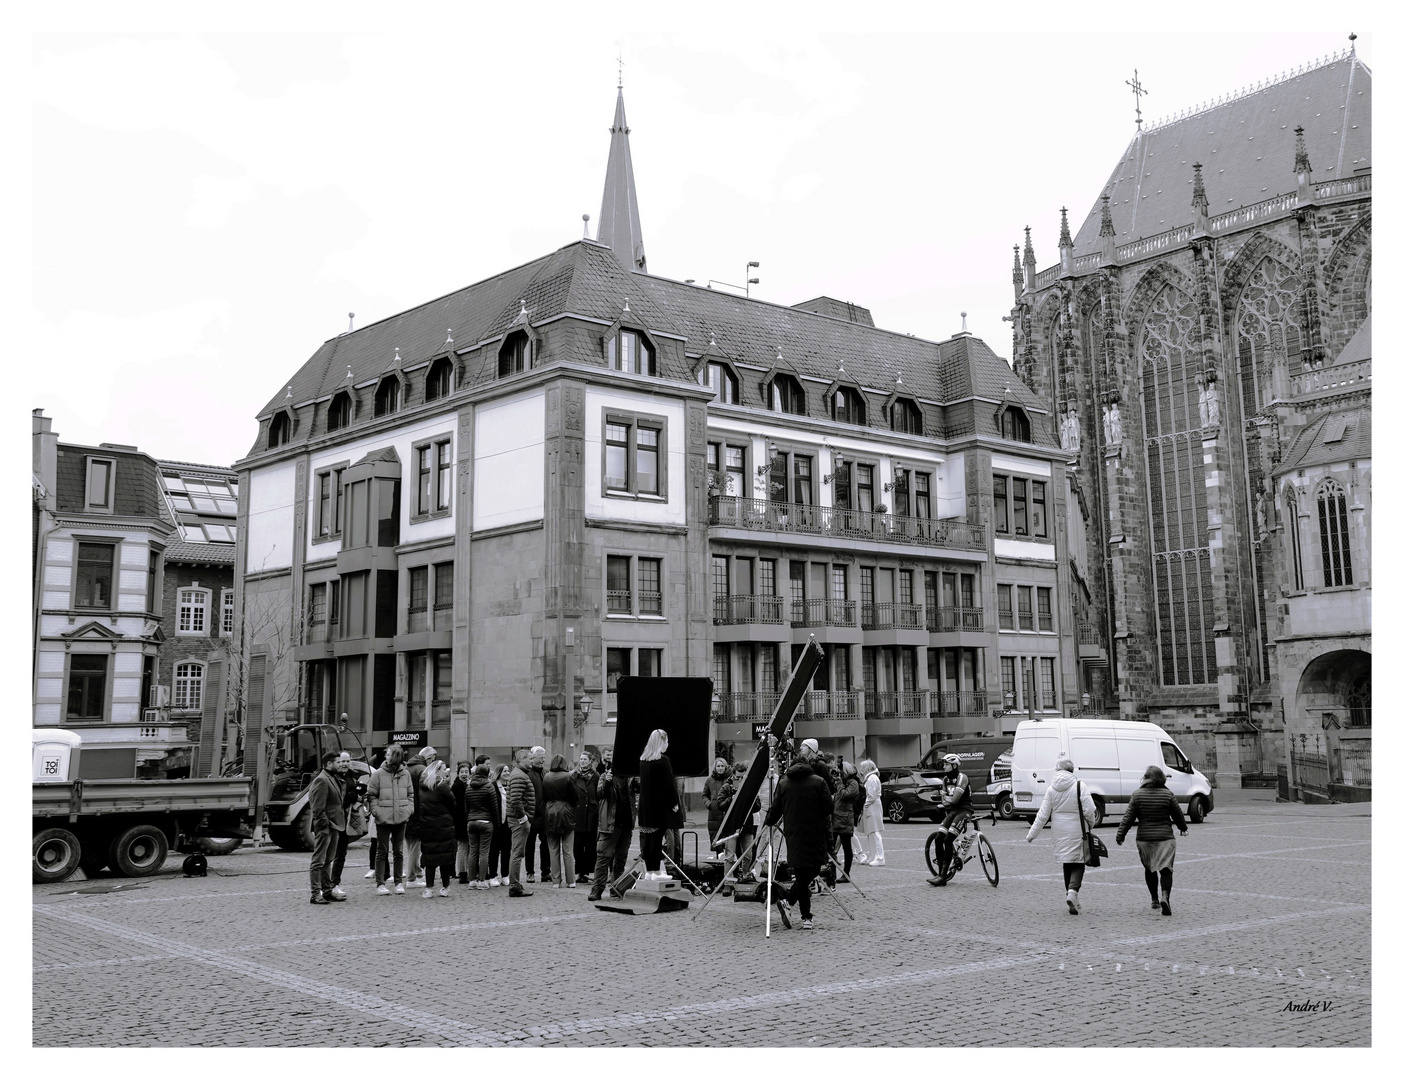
[812, 745]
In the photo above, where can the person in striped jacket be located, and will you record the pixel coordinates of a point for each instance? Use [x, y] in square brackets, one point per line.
[521, 808]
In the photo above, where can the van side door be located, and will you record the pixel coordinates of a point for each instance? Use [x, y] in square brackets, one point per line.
[1095, 760]
[1136, 751]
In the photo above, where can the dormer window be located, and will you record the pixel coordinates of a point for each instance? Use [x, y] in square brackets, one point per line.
[723, 382]
[339, 412]
[786, 395]
[439, 381]
[387, 395]
[848, 407]
[518, 353]
[1014, 425]
[630, 351]
[279, 429]
[906, 416]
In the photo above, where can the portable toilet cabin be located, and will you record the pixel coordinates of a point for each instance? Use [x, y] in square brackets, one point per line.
[56, 754]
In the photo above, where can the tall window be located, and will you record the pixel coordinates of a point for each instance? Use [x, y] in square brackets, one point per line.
[866, 584]
[279, 429]
[646, 460]
[650, 586]
[1006, 606]
[1019, 505]
[796, 585]
[387, 395]
[1045, 608]
[848, 406]
[1331, 514]
[516, 354]
[325, 509]
[720, 378]
[87, 686]
[1175, 482]
[443, 595]
[804, 480]
[99, 493]
[153, 575]
[1008, 684]
[1014, 425]
[904, 586]
[317, 612]
[1047, 686]
[1038, 508]
[1294, 535]
[1269, 328]
[617, 457]
[1026, 619]
[765, 577]
[839, 582]
[865, 487]
[192, 605]
[630, 351]
[439, 380]
[734, 481]
[923, 494]
[418, 599]
[618, 599]
[443, 474]
[1001, 504]
[424, 479]
[786, 395]
[92, 587]
[906, 416]
[189, 685]
[226, 612]
[339, 411]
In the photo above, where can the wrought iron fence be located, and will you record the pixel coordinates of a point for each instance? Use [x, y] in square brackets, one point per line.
[823, 612]
[954, 618]
[1311, 772]
[959, 703]
[752, 706]
[892, 616]
[1350, 765]
[829, 705]
[735, 609]
[883, 704]
[733, 512]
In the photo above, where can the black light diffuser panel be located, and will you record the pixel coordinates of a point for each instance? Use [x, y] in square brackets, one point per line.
[681, 707]
[800, 678]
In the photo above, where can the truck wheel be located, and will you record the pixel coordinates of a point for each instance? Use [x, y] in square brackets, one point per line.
[1005, 807]
[212, 845]
[1101, 810]
[139, 851]
[303, 827]
[57, 853]
[1197, 809]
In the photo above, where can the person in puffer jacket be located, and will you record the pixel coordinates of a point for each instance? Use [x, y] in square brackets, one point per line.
[480, 811]
[1066, 813]
[391, 796]
[521, 808]
[559, 791]
[1152, 810]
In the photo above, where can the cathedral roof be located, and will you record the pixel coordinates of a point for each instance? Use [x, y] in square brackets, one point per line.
[1247, 146]
[1336, 436]
[1358, 347]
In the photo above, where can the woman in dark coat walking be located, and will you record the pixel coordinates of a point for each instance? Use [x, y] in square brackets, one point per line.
[803, 804]
[437, 844]
[558, 788]
[848, 807]
[1152, 810]
[658, 801]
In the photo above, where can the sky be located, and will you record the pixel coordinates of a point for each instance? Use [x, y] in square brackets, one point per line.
[208, 208]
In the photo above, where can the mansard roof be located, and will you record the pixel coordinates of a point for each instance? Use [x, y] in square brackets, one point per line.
[1247, 146]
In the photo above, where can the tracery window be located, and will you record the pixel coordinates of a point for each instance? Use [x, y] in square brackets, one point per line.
[1335, 534]
[1294, 535]
[1179, 521]
[1268, 326]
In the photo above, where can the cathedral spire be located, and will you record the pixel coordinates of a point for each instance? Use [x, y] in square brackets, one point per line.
[1030, 267]
[1107, 228]
[1303, 163]
[1065, 244]
[619, 210]
[1018, 276]
[1200, 201]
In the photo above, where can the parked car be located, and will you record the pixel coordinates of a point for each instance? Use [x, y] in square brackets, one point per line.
[909, 793]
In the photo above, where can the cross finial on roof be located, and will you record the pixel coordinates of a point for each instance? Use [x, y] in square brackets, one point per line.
[620, 57]
[1136, 88]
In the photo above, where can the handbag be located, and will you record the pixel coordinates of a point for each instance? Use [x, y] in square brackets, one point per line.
[357, 821]
[1093, 849]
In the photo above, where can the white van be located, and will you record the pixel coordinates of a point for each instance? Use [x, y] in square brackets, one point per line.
[1109, 757]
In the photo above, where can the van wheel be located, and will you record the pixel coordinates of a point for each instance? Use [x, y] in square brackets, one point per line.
[139, 851]
[1005, 807]
[57, 853]
[1101, 810]
[1197, 809]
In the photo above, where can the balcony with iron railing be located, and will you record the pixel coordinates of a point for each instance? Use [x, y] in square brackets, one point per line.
[740, 610]
[748, 706]
[889, 615]
[828, 705]
[960, 703]
[821, 612]
[885, 704]
[728, 511]
[947, 619]
[418, 621]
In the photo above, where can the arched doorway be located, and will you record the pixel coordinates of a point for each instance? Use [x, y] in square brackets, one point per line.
[1332, 755]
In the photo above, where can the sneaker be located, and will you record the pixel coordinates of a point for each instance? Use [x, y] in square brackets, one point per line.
[531, 877]
[318, 898]
[572, 885]
[1165, 907]
[517, 892]
[370, 874]
[878, 862]
[555, 885]
[384, 890]
[1073, 905]
[806, 924]
[418, 883]
[784, 906]
[444, 891]
[862, 857]
[428, 894]
[594, 896]
[332, 898]
[1155, 905]
[338, 893]
[400, 887]
[494, 882]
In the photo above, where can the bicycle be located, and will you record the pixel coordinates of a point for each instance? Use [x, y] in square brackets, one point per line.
[962, 840]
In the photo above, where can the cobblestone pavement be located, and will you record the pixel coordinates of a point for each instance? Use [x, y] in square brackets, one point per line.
[1271, 907]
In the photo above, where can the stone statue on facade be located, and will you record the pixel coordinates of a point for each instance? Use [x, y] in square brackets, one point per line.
[1111, 423]
[1208, 404]
[1070, 433]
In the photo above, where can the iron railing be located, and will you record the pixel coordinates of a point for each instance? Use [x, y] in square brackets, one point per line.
[753, 706]
[1350, 765]
[823, 613]
[1311, 772]
[829, 705]
[1088, 633]
[892, 616]
[729, 511]
[619, 602]
[882, 704]
[959, 703]
[418, 618]
[954, 618]
[650, 603]
[734, 609]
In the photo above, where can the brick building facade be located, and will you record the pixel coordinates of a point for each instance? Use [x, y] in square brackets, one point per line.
[1204, 343]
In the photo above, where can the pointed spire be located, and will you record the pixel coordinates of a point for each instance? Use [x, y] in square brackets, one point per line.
[1107, 229]
[1200, 201]
[619, 210]
[1303, 163]
[1030, 267]
[1064, 236]
[1018, 275]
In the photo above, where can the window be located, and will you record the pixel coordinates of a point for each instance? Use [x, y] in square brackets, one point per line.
[904, 586]
[1019, 503]
[796, 585]
[650, 663]
[87, 686]
[1038, 509]
[735, 479]
[333, 607]
[922, 483]
[1001, 504]
[765, 578]
[635, 456]
[1294, 534]
[786, 395]
[189, 685]
[630, 351]
[418, 599]
[439, 381]
[443, 474]
[387, 395]
[1047, 690]
[443, 596]
[153, 573]
[618, 599]
[804, 480]
[1026, 619]
[93, 584]
[1045, 608]
[100, 475]
[424, 478]
[339, 412]
[336, 499]
[226, 612]
[721, 580]
[650, 587]
[722, 381]
[1014, 425]
[905, 416]
[1006, 606]
[517, 354]
[191, 610]
[279, 429]
[865, 488]
[325, 509]
[616, 667]
[1008, 683]
[866, 579]
[839, 585]
[316, 612]
[1335, 534]
[848, 407]
[1173, 758]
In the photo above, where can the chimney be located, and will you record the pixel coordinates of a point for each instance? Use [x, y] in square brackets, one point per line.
[46, 457]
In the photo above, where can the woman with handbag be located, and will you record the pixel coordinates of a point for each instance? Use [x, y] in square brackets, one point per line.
[1152, 810]
[1069, 808]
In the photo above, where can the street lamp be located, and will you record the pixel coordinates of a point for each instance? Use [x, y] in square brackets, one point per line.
[586, 704]
[716, 705]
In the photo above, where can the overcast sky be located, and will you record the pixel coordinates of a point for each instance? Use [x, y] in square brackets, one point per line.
[208, 209]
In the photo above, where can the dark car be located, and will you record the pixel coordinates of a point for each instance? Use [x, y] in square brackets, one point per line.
[909, 793]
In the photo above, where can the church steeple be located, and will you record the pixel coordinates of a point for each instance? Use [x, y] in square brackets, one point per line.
[619, 210]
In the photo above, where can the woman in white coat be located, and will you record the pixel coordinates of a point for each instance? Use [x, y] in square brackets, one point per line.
[1061, 807]
[870, 821]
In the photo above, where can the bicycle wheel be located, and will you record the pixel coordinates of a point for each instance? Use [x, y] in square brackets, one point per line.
[987, 860]
[931, 854]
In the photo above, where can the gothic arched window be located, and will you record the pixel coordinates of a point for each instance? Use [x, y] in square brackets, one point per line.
[1268, 327]
[1335, 534]
[1294, 535]
[1179, 519]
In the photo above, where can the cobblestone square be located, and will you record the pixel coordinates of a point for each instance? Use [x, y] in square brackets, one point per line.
[1272, 906]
